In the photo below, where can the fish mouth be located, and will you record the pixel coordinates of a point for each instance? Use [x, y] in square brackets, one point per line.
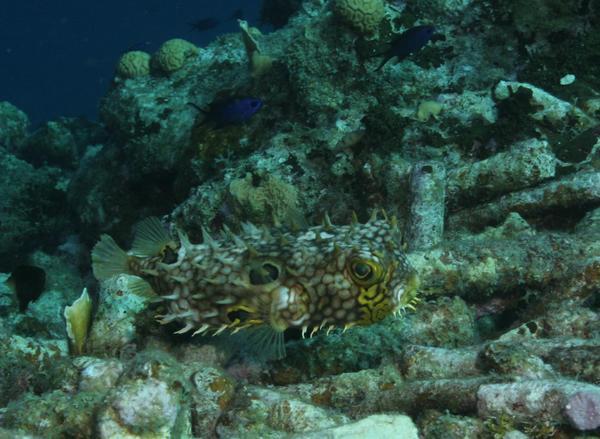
[288, 307]
[397, 294]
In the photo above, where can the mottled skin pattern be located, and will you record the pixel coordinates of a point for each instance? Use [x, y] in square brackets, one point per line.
[322, 278]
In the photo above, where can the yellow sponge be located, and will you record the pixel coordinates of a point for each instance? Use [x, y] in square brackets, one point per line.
[133, 64]
[173, 54]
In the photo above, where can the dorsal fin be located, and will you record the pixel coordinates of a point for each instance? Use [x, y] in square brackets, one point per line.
[151, 238]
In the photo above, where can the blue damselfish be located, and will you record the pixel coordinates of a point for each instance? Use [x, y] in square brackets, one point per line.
[408, 42]
[231, 111]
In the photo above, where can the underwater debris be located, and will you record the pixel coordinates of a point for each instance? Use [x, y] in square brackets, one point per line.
[428, 362]
[28, 283]
[531, 399]
[526, 164]
[324, 278]
[583, 410]
[549, 108]
[384, 425]
[571, 191]
[531, 282]
[427, 207]
[499, 259]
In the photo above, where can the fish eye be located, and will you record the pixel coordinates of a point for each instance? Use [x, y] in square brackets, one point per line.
[255, 103]
[365, 271]
[362, 270]
[265, 273]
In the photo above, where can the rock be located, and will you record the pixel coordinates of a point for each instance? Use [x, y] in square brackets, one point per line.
[539, 399]
[98, 375]
[214, 392]
[13, 126]
[31, 208]
[142, 408]
[583, 410]
[114, 325]
[372, 427]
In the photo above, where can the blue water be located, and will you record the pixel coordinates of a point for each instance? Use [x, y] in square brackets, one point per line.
[57, 57]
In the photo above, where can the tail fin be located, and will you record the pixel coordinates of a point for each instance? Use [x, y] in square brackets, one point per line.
[108, 259]
[383, 62]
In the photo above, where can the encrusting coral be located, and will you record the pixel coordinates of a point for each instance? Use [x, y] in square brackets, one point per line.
[363, 15]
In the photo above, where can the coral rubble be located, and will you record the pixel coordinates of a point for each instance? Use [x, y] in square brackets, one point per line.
[481, 152]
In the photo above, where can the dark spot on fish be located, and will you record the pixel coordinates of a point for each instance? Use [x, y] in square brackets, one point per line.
[28, 282]
[264, 274]
[169, 256]
[239, 314]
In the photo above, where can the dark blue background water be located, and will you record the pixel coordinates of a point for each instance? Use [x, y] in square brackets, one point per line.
[57, 58]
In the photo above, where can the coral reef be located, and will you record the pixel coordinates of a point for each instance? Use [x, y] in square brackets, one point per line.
[13, 126]
[481, 152]
[30, 207]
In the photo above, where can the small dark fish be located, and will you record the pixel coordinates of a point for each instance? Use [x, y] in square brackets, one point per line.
[231, 111]
[204, 24]
[28, 282]
[408, 42]
[238, 14]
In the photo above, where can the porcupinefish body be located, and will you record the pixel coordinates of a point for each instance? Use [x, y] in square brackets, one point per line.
[325, 277]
